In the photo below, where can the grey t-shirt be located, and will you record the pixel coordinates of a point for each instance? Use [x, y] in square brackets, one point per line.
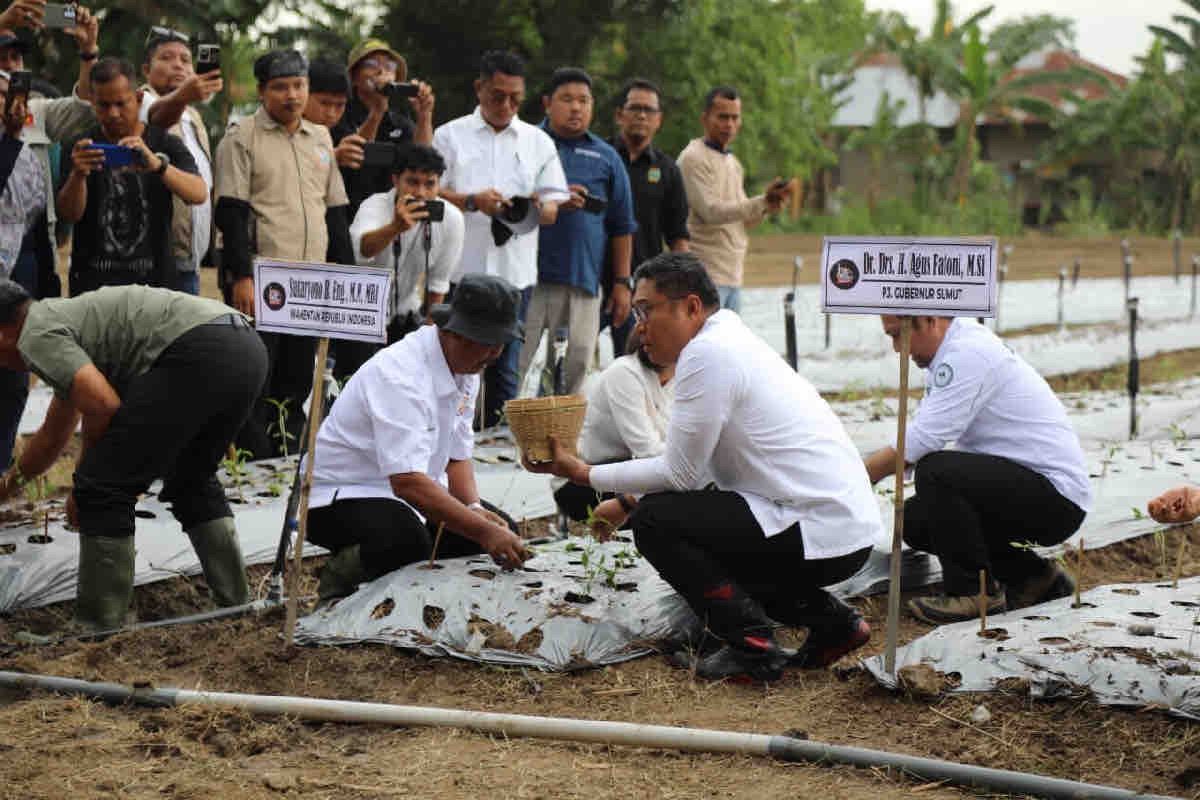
[122, 330]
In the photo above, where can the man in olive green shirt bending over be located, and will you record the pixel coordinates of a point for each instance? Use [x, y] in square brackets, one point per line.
[162, 381]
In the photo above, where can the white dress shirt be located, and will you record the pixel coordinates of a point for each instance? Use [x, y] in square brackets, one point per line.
[983, 398]
[744, 420]
[519, 161]
[202, 213]
[401, 412]
[627, 413]
[409, 265]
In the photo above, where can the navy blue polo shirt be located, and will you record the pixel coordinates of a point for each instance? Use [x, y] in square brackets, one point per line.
[572, 250]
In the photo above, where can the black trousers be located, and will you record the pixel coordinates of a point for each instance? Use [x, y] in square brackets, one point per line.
[575, 500]
[289, 382]
[970, 508]
[389, 533]
[700, 540]
[175, 422]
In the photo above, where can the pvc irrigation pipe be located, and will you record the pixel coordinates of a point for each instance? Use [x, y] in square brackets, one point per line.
[699, 740]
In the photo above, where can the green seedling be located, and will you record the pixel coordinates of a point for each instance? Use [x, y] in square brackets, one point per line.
[234, 465]
[278, 428]
[1178, 434]
[37, 492]
[1137, 513]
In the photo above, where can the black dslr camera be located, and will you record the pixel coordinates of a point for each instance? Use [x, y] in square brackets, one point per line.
[516, 210]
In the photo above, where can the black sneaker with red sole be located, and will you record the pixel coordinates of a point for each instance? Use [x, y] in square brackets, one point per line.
[820, 652]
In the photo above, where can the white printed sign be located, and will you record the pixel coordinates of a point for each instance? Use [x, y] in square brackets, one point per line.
[326, 300]
[909, 276]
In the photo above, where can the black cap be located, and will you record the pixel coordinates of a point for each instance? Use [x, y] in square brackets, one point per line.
[280, 64]
[484, 309]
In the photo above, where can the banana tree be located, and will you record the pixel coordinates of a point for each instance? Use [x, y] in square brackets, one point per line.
[984, 87]
[882, 140]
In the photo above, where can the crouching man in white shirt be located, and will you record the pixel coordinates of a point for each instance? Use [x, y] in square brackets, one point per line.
[393, 458]
[396, 230]
[790, 509]
[1015, 478]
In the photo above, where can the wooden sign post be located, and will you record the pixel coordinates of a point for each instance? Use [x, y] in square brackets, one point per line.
[907, 277]
[326, 301]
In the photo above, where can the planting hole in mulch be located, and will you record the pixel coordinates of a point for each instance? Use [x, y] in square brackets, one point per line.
[486, 574]
[1185, 604]
[1054, 640]
[999, 634]
[142, 513]
[533, 585]
[576, 597]
[1144, 614]
[433, 616]
[431, 566]
[40, 538]
[1037, 618]
[1099, 623]
[1126, 591]
[383, 609]
[7, 549]
[1083, 605]
[631, 586]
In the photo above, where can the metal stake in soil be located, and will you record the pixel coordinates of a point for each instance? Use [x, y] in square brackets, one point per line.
[1134, 365]
[789, 316]
[893, 617]
[1062, 287]
[314, 413]
[982, 601]
[1177, 252]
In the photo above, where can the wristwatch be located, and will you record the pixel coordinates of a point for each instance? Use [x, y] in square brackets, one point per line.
[627, 282]
[164, 161]
[469, 203]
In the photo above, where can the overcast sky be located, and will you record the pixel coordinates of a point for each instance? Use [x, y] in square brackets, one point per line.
[1109, 32]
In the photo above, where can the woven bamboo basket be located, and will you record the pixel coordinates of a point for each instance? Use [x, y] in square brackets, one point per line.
[533, 420]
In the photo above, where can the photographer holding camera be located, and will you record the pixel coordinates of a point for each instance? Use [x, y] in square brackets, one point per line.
[379, 95]
[171, 78]
[396, 230]
[118, 186]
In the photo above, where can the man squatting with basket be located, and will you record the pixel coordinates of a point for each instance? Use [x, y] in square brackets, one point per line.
[759, 500]
[393, 458]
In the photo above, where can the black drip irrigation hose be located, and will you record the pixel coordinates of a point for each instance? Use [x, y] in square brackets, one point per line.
[782, 748]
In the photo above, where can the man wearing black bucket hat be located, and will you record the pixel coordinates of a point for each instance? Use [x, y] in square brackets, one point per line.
[393, 459]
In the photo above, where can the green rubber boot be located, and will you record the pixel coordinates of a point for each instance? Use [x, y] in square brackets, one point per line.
[105, 582]
[216, 544]
[341, 575]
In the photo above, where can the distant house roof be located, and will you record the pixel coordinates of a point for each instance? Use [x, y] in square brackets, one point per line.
[878, 73]
[1058, 61]
[882, 73]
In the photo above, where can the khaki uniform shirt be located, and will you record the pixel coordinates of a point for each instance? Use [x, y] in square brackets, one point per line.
[289, 180]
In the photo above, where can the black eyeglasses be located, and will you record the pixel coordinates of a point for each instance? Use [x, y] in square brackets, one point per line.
[160, 34]
[648, 111]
